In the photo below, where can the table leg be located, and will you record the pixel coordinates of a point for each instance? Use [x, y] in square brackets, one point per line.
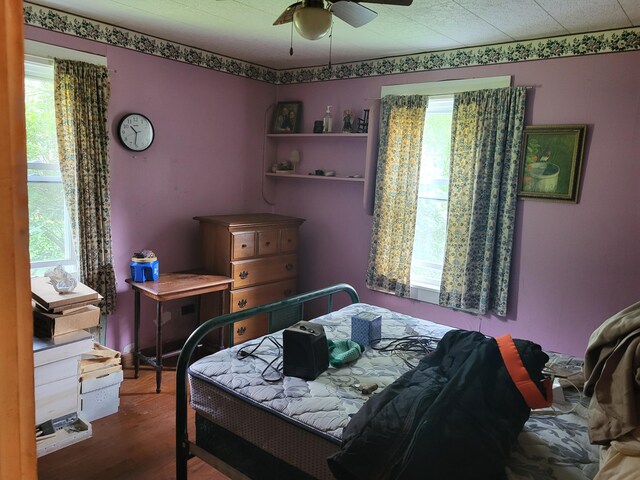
[225, 300]
[159, 347]
[136, 331]
[197, 312]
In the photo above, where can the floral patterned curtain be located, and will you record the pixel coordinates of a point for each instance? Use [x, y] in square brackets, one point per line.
[81, 99]
[486, 137]
[396, 195]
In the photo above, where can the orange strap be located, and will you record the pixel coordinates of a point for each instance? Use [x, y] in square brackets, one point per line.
[518, 373]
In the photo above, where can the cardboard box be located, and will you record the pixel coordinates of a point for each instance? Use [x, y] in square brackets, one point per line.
[73, 431]
[100, 394]
[54, 324]
[366, 328]
[56, 373]
[56, 399]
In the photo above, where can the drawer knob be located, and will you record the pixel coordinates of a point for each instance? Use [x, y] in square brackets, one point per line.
[288, 240]
[244, 245]
[241, 331]
[288, 267]
[287, 292]
[267, 243]
[244, 274]
[242, 303]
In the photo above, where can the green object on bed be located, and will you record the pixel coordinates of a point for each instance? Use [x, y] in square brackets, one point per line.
[342, 352]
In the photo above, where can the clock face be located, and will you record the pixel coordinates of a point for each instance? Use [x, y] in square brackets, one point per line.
[135, 132]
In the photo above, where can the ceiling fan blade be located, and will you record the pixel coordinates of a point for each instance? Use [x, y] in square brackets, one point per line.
[287, 15]
[353, 13]
[401, 3]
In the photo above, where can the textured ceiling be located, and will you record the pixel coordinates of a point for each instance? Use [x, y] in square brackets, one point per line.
[243, 29]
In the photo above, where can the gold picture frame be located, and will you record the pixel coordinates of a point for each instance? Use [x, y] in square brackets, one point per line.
[551, 162]
[286, 117]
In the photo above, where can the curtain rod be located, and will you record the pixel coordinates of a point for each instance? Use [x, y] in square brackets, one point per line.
[528, 87]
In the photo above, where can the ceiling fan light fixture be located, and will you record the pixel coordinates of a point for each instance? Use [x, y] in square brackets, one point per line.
[312, 23]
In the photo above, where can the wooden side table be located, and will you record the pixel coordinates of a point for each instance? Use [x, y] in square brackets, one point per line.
[169, 286]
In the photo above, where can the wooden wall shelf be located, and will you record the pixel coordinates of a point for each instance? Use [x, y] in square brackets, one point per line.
[317, 135]
[315, 177]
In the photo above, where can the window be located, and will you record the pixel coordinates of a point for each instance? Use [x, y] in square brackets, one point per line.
[433, 191]
[431, 219]
[50, 242]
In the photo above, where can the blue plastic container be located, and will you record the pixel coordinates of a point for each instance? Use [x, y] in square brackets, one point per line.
[145, 271]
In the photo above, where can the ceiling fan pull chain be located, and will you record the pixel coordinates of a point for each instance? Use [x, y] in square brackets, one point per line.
[291, 47]
[330, 43]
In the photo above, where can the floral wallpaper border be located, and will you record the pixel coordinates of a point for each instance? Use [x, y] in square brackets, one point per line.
[621, 40]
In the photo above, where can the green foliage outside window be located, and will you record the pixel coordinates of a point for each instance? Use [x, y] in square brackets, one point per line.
[431, 221]
[47, 228]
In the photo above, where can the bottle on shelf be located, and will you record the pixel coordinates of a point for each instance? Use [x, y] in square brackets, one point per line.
[327, 121]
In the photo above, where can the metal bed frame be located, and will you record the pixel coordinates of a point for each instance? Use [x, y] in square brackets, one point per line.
[185, 448]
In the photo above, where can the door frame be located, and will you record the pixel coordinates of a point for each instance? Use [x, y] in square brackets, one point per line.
[17, 435]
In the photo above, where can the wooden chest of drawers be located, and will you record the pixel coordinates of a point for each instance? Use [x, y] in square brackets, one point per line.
[260, 252]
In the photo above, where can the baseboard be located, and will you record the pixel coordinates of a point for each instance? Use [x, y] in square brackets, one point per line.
[170, 362]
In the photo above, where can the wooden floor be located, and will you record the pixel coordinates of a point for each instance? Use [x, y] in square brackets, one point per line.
[137, 443]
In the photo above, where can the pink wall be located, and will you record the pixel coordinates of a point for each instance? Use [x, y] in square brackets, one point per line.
[208, 129]
[574, 265]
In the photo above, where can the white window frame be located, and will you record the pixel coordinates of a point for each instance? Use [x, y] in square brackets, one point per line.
[423, 292]
[39, 59]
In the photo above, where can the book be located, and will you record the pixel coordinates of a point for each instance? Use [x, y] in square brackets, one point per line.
[47, 324]
[43, 292]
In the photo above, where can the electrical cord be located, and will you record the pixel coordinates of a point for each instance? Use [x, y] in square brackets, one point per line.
[249, 351]
[555, 410]
[424, 344]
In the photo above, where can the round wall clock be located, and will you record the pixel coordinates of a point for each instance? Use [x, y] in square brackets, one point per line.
[135, 132]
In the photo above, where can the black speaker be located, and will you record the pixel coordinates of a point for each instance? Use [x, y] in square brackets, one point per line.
[306, 353]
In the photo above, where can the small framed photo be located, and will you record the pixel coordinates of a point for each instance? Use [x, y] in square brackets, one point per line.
[551, 162]
[287, 117]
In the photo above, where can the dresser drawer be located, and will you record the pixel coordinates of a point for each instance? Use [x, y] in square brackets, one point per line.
[250, 328]
[262, 270]
[289, 240]
[243, 245]
[268, 242]
[246, 298]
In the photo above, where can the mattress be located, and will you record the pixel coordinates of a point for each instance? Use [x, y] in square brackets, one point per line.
[300, 422]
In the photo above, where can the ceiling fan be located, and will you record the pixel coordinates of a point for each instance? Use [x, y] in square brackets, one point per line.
[312, 18]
